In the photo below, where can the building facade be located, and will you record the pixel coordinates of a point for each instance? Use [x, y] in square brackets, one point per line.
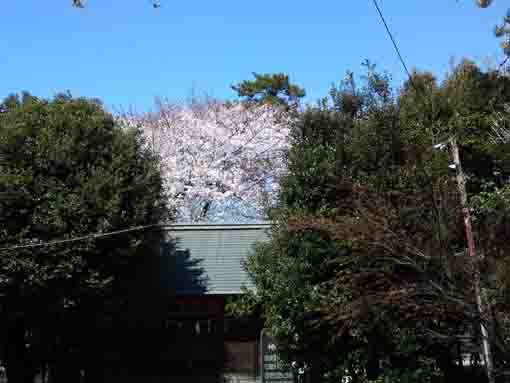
[208, 270]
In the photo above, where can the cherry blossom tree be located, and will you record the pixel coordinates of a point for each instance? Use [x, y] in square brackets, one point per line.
[221, 161]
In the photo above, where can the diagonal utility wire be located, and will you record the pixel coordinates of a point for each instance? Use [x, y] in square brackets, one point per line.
[82, 238]
[393, 41]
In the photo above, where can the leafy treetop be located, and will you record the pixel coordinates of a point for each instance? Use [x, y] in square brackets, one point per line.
[273, 88]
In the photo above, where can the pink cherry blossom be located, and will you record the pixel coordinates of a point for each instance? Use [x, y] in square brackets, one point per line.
[216, 156]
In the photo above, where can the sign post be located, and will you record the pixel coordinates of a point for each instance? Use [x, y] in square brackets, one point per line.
[272, 369]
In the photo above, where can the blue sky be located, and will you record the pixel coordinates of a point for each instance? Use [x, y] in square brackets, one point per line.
[126, 53]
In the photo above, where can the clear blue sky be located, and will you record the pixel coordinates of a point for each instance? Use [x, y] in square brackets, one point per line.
[125, 52]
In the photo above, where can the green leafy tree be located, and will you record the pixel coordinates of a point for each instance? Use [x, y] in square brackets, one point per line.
[366, 274]
[271, 88]
[69, 171]
[324, 165]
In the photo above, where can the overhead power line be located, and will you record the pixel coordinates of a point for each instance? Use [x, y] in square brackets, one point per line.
[81, 238]
[503, 62]
[393, 41]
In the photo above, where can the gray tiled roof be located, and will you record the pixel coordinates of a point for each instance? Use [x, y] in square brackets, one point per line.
[209, 257]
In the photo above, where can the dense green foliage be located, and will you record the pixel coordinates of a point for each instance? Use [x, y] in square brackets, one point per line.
[67, 171]
[366, 275]
[273, 88]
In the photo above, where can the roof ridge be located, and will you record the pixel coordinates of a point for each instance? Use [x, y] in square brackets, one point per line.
[210, 226]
